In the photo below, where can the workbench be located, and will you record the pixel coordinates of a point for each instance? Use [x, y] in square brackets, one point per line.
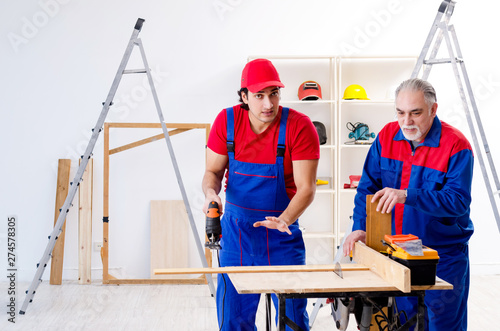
[324, 284]
[374, 275]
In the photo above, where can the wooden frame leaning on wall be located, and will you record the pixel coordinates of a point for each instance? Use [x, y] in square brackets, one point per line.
[176, 128]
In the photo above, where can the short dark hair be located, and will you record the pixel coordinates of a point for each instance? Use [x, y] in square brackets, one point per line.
[243, 105]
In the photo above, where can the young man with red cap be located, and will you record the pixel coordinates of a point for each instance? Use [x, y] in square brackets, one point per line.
[269, 156]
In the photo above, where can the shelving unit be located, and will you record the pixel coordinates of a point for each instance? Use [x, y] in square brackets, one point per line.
[326, 220]
[379, 76]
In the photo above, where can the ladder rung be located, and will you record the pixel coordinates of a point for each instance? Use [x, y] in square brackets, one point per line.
[440, 61]
[134, 71]
[496, 193]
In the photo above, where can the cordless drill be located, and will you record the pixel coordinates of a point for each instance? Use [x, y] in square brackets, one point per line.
[212, 226]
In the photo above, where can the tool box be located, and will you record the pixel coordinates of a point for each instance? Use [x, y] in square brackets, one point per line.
[423, 267]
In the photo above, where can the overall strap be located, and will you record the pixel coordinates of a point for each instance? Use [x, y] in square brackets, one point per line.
[282, 133]
[230, 131]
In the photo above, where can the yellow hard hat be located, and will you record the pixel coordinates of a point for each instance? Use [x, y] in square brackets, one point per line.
[355, 91]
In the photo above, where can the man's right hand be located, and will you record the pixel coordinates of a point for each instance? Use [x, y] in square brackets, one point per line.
[209, 198]
[358, 235]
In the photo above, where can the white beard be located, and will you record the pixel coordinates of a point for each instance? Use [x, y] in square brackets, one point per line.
[415, 136]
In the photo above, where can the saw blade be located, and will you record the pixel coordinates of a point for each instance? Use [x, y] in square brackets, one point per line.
[338, 270]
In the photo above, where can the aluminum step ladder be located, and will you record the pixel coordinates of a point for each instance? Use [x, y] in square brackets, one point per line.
[440, 29]
[134, 41]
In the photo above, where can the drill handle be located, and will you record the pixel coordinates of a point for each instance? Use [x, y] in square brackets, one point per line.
[213, 210]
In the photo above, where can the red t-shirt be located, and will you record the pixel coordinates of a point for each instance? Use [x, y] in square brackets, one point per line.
[302, 142]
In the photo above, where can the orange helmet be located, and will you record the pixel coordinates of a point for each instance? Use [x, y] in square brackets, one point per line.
[309, 90]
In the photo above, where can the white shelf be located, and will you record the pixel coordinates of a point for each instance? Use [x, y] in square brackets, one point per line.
[348, 191]
[307, 102]
[322, 190]
[385, 101]
[365, 146]
[317, 235]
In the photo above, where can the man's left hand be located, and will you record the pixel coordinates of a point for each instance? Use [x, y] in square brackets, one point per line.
[272, 222]
[389, 197]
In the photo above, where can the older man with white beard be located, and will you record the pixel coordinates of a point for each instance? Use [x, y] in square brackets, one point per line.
[420, 169]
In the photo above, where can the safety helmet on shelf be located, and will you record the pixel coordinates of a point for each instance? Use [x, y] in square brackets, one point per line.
[355, 91]
[321, 129]
[309, 90]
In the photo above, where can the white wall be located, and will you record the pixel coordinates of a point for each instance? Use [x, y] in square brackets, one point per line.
[60, 57]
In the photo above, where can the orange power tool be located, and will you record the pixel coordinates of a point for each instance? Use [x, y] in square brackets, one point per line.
[212, 226]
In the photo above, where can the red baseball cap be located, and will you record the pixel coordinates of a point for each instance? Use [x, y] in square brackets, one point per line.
[259, 74]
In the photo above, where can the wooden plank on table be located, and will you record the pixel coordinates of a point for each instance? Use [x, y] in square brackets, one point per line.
[259, 269]
[310, 282]
[169, 236]
[391, 271]
[377, 225]
[56, 267]
[354, 281]
[85, 225]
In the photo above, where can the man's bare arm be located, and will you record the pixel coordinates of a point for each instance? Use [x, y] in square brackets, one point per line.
[212, 179]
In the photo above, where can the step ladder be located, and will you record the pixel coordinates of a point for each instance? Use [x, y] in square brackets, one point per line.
[443, 29]
[40, 268]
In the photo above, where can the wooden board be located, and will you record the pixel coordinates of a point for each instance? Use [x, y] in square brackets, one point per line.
[377, 225]
[169, 236]
[85, 225]
[56, 266]
[259, 269]
[176, 281]
[391, 271]
[318, 282]
[146, 141]
[105, 208]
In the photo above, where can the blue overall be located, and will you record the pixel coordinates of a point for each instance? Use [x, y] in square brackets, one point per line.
[253, 192]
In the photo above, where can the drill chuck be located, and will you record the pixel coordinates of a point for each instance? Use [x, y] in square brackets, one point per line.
[212, 226]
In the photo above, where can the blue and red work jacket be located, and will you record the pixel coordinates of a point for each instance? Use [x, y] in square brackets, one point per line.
[437, 175]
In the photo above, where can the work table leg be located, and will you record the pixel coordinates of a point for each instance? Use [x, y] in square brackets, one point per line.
[283, 320]
[269, 319]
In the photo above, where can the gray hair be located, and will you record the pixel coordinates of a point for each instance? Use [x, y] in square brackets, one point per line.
[416, 84]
